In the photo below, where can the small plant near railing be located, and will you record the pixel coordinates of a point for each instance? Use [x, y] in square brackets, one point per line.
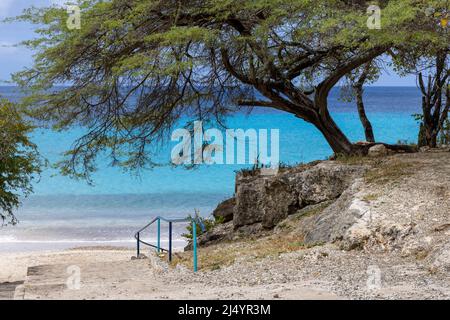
[203, 224]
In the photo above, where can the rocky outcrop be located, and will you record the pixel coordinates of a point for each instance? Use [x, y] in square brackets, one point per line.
[397, 205]
[385, 204]
[332, 222]
[271, 199]
[224, 211]
[262, 202]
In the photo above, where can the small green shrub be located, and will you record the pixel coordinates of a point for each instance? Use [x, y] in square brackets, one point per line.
[219, 220]
[207, 222]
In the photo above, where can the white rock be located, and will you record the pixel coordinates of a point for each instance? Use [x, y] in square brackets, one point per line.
[378, 151]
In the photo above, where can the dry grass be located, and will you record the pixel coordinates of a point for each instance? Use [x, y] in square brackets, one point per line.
[389, 171]
[314, 210]
[292, 222]
[357, 160]
[370, 197]
[225, 254]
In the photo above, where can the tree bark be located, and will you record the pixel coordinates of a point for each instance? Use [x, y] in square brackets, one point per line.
[358, 88]
[368, 130]
[434, 112]
[337, 140]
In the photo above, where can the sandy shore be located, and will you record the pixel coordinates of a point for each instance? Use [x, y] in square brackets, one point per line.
[110, 273]
[323, 272]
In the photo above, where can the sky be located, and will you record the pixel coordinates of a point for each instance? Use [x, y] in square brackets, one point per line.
[14, 59]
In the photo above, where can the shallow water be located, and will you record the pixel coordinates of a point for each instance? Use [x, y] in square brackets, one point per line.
[64, 211]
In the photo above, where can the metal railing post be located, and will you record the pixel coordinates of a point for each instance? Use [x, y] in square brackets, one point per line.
[138, 245]
[170, 241]
[159, 235]
[194, 244]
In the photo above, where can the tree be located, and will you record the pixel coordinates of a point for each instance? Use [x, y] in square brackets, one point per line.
[135, 68]
[428, 58]
[19, 160]
[354, 90]
[435, 100]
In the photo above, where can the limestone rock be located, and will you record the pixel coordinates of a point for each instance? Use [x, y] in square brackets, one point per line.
[378, 150]
[441, 258]
[225, 210]
[219, 233]
[332, 223]
[280, 201]
[325, 181]
[249, 201]
[269, 200]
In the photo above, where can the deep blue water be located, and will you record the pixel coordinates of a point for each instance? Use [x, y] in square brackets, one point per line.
[66, 210]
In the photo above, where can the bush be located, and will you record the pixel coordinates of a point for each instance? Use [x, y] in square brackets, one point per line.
[208, 224]
[20, 162]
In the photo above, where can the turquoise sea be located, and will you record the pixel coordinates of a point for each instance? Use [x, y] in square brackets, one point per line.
[64, 212]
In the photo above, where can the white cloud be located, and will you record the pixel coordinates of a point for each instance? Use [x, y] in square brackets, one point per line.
[7, 47]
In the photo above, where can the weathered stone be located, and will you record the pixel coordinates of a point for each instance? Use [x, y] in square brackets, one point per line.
[269, 200]
[378, 150]
[220, 232]
[224, 210]
[424, 149]
[249, 201]
[440, 258]
[280, 201]
[332, 223]
[252, 230]
[323, 182]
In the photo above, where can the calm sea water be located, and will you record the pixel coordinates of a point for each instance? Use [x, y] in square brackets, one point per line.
[63, 212]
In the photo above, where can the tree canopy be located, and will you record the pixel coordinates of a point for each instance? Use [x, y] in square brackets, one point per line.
[429, 60]
[19, 160]
[136, 67]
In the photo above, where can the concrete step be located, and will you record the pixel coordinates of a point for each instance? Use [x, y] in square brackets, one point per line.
[8, 289]
[53, 281]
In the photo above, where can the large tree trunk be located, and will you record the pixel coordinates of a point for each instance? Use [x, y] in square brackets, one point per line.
[337, 140]
[368, 130]
[340, 143]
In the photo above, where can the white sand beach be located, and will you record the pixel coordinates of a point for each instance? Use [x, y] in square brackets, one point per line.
[109, 273]
[323, 272]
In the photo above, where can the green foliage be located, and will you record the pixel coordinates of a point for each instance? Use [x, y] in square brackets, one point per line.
[219, 220]
[208, 224]
[19, 160]
[135, 68]
[405, 142]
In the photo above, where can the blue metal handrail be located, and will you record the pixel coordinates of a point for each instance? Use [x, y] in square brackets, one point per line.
[158, 245]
